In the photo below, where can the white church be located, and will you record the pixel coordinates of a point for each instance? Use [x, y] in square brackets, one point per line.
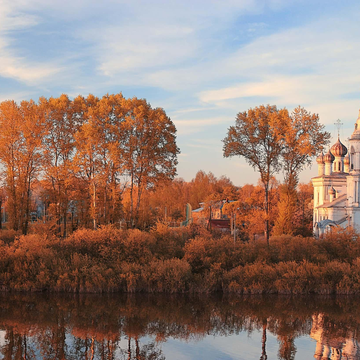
[337, 186]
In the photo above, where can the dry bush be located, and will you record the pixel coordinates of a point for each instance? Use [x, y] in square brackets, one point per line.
[167, 276]
[169, 242]
[166, 260]
[9, 236]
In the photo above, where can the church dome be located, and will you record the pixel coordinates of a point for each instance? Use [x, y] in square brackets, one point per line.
[320, 159]
[347, 160]
[329, 157]
[339, 149]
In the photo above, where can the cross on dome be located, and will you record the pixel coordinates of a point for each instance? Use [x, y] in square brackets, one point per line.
[338, 125]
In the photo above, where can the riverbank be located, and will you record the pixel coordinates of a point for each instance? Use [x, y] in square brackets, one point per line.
[180, 260]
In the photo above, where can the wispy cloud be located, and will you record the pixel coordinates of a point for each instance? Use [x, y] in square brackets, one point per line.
[311, 65]
[190, 126]
[12, 65]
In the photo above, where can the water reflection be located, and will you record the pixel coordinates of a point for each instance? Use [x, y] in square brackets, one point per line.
[45, 326]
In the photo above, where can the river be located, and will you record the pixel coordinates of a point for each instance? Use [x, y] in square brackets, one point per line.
[177, 327]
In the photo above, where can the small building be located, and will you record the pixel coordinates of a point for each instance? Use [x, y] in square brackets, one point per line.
[211, 215]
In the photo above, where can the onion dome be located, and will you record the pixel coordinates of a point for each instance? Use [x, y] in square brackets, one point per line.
[329, 157]
[347, 160]
[332, 191]
[320, 159]
[339, 149]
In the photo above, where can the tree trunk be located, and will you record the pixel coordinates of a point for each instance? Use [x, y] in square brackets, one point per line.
[131, 199]
[65, 223]
[266, 187]
[263, 342]
[94, 205]
[1, 213]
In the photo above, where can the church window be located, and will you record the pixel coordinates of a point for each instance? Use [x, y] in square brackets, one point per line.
[356, 192]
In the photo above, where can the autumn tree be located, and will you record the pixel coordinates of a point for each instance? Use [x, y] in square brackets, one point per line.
[304, 138]
[249, 208]
[258, 137]
[271, 139]
[63, 118]
[91, 153]
[84, 152]
[22, 130]
[303, 219]
[148, 150]
[167, 201]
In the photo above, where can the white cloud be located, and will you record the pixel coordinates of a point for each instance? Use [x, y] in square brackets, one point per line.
[315, 66]
[190, 126]
[163, 37]
[125, 49]
[12, 18]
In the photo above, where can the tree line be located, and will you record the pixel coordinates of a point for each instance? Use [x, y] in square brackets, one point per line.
[80, 155]
[111, 160]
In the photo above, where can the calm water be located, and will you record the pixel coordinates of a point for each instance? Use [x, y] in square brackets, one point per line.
[38, 326]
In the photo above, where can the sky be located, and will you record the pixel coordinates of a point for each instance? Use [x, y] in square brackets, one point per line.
[203, 61]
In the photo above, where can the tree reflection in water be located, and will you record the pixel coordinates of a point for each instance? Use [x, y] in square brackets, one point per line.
[45, 326]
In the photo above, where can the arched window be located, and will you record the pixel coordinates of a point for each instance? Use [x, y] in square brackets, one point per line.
[352, 157]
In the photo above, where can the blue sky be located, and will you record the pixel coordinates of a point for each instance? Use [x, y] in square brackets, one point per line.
[202, 61]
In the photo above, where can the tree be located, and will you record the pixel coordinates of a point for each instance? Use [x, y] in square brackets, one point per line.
[148, 150]
[22, 129]
[304, 138]
[257, 136]
[63, 118]
[271, 139]
[249, 208]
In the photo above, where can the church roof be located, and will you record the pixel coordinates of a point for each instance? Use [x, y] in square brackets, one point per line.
[339, 174]
[326, 222]
[335, 203]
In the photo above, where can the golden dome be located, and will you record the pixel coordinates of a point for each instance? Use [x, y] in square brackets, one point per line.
[320, 159]
[329, 157]
[339, 149]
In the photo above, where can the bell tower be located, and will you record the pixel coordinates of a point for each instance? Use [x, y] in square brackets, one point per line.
[353, 179]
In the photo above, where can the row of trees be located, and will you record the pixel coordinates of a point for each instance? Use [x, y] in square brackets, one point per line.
[272, 140]
[82, 154]
[166, 203]
[98, 161]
